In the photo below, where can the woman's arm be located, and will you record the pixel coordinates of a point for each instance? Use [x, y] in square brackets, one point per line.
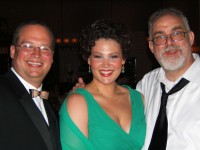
[77, 110]
[73, 117]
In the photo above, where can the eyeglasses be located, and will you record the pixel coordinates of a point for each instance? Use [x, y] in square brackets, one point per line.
[30, 48]
[111, 58]
[175, 36]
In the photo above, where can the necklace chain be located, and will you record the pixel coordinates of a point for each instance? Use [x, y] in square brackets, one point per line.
[106, 97]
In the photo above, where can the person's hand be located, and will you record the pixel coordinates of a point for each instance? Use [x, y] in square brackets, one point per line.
[79, 84]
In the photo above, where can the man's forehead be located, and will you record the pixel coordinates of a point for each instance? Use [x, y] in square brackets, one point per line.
[167, 22]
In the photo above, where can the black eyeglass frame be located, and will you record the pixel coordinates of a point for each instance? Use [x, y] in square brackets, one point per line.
[169, 36]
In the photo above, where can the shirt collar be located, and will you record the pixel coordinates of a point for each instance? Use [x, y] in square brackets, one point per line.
[25, 83]
[191, 74]
[168, 84]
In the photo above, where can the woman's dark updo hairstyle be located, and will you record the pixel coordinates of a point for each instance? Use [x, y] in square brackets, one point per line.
[106, 30]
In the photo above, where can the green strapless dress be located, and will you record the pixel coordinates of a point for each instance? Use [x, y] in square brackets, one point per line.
[103, 132]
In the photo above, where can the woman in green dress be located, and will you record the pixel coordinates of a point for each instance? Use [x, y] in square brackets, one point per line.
[103, 115]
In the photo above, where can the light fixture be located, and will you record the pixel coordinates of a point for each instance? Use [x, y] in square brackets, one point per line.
[66, 40]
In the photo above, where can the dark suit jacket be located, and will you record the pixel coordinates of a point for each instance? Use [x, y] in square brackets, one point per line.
[22, 126]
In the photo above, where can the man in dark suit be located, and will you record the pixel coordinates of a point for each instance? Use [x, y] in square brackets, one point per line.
[28, 123]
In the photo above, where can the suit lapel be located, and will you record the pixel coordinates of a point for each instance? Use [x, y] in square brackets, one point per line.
[53, 126]
[31, 109]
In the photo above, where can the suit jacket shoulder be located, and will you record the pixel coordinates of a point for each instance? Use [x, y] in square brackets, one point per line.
[22, 126]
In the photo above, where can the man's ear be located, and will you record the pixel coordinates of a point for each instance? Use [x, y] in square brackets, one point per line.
[52, 58]
[151, 45]
[191, 36]
[12, 51]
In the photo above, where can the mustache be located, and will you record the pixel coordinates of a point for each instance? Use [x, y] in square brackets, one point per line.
[172, 48]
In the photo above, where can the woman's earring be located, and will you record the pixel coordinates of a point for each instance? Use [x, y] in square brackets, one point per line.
[89, 70]
[123, 69]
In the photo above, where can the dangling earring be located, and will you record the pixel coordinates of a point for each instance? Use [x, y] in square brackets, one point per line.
[89, 70]
[123, 69]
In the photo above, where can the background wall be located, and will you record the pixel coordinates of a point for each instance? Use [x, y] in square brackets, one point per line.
[67, 17]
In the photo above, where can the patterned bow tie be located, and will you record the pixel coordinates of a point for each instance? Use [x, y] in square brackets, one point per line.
[42, 94]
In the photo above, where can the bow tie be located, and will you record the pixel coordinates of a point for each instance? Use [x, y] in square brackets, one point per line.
[41, 94]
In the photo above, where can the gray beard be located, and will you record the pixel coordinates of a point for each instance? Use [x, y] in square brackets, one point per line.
[172, 63]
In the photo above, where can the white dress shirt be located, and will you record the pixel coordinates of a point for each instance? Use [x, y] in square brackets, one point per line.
[183, 107]
[38, 101]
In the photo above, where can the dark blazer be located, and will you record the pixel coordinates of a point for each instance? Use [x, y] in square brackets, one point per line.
[22, 126]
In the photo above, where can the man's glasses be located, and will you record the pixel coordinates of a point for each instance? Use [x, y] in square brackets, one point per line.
[30, 48]
[175, 36]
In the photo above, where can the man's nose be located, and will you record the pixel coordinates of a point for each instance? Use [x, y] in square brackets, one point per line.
[37, 51]
[169, 40]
